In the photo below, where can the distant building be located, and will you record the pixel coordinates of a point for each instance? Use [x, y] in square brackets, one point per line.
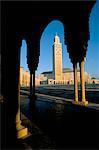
[95, 80]
[67, 77]
[59, 75]
[25, 78]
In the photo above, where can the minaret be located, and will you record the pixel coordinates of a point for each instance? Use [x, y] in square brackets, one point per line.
[57, 59]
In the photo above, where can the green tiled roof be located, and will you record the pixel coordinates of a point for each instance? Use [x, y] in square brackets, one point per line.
[65, 70]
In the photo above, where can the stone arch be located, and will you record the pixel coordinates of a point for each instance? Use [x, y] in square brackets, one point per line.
[24, 23]
[45, 25]
[38, 33]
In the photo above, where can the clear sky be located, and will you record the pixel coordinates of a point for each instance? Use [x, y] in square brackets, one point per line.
[47, 39]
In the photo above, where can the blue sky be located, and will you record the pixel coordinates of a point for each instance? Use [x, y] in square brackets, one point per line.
[47, 39]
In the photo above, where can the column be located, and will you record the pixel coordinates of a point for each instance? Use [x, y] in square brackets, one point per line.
[31, 96]
[30, 84]
[21, 130]
[34, 84]
[75, 82]
[81, 64]
[34, 96]
[18, 120]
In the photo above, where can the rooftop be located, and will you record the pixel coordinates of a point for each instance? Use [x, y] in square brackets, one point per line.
[65, 70]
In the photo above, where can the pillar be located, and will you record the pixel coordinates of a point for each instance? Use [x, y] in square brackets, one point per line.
[81, 64]
[34, 83]
[18, 120]
[34, 96]
[30, 84]
[75, 82]
[31, 105]
[21, 130]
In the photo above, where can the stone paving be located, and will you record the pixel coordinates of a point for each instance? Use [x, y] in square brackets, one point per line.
[67, 91]
[39, 139]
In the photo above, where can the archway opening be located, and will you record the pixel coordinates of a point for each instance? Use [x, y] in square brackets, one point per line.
[55, 29]
[24, 71]
[92, 56]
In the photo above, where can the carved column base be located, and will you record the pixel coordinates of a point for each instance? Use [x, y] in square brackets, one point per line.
[75, 102]
[76, 99]
[22, 132]
[83, 103]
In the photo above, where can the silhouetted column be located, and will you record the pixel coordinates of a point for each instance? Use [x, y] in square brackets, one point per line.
[30, 84]
[75, 82]
[34, 84]
[81, 64]
[18, 120]
[31, 96]
[21, 131]
[34, 96]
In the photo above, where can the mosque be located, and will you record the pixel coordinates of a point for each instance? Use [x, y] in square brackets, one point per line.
[58, 75]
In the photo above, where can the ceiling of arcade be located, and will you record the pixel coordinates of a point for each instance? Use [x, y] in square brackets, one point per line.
[30, 24]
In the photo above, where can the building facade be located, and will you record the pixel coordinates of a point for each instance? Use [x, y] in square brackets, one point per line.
[67, 77]
[95, 80]
[24, 78]
[59, 75]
